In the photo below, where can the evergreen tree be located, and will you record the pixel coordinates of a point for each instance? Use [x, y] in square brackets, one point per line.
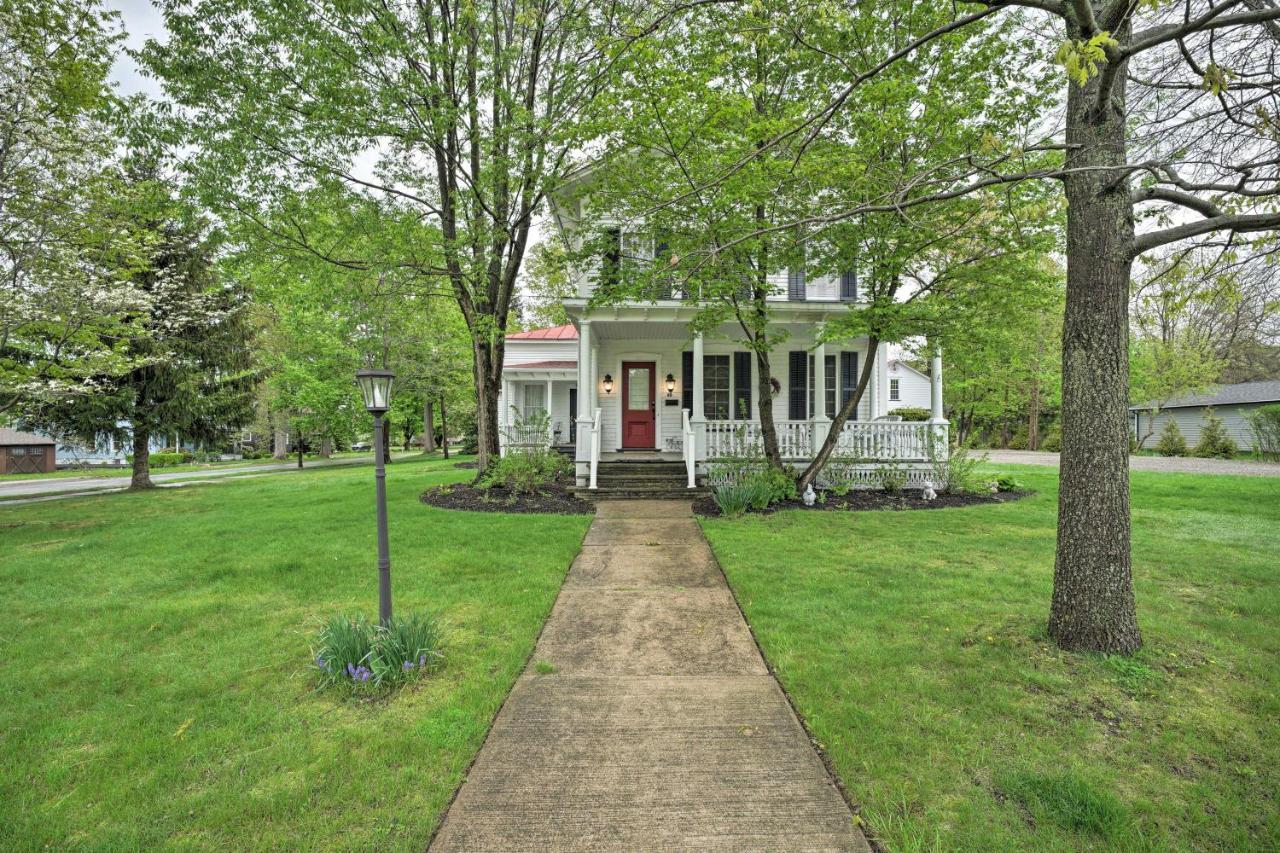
[194, 372]
[1214, 440]
[1171, 441]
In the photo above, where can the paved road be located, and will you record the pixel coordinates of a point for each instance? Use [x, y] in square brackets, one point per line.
[66, 487]
[1167, 464]
[647, 719]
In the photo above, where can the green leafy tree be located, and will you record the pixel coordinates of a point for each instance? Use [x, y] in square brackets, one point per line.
[68, 251]
[193, 370]
[469, 113]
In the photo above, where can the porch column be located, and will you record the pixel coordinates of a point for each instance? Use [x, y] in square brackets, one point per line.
[935, 385]
[698, 417]
[586, 393]
[504, 416]
[550, 424]
[819, 423]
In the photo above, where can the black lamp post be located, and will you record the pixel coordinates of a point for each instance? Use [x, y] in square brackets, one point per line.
[375, 386]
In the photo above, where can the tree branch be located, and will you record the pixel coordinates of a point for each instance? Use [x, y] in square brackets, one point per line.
[1237, 223]
[1204, 207]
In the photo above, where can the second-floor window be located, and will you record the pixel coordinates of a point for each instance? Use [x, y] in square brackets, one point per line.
[795, 284]
[611, 263]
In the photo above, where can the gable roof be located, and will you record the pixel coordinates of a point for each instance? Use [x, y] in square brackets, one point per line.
[567, 332]
[897, 362]
[1224, 395]
[12, 436]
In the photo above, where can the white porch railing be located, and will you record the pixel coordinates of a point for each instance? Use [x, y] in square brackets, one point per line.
[738, 438]
[595, 447]
[690, 463]
[873, 440]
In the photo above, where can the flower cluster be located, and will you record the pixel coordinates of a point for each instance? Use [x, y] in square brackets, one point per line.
[359, 673]
[421, 664]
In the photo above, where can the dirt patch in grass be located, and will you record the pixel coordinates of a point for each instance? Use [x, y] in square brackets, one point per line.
[874, 499]
[467, 466]
[554, 500]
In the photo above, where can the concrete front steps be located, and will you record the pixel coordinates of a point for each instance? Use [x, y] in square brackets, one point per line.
[642, 479]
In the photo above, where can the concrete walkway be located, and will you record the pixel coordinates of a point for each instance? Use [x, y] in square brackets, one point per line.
[1166, 464]
[659, 728]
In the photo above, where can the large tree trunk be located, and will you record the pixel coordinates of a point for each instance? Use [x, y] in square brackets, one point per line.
[326, 447]
[488, 379]
[428, 426]
[279, 441]
[768, 429]
[141, 478]
[1093, 605]
[444, 429]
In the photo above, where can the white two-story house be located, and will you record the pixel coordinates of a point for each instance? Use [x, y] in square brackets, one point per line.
[625, 382]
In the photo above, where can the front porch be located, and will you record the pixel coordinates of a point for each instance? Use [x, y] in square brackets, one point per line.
[647, 387]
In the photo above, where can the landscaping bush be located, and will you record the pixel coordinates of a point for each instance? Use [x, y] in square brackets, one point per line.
[167, 458]
[955, 472]
[734, 499]
[527, 471]
[771, 486]
[1052, 441]
[1171, 442]
[1264, 423]
[1214, 441]
[359, 655]
[912, 413]
[893, 478]
[1007, 483]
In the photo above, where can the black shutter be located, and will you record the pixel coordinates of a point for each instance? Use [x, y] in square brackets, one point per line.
[849, 286]
[795, 284]
[686, 381]
[742, 385]
[798, 385]
[829, 377]
[848, 379]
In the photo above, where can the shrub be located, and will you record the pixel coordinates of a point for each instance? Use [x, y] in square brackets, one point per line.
[1214, 441]
[1264, 423]
[773, 486]
[167, 458]
[362, 656]
[1006, 483]
[912, 413]
[1052, 441]
[526, 471]
[1171, 442]
[892, 477]
[734, 499]
[955, 472]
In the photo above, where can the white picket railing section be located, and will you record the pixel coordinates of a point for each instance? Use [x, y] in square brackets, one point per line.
[690, 449]
[741, 438]
[595, 447]
[888, 441]
[871, 440]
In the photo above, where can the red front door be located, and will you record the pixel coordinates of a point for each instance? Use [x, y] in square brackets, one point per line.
[637, 405]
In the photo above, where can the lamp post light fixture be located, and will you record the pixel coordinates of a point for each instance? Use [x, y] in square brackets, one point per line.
[375, 387]
[608, 384]
[671, 385]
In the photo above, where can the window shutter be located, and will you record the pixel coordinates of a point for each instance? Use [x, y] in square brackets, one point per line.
[795, 284]
[742, 385]
[848, 379]
[686, 381]
[798, 385]
[849, 286]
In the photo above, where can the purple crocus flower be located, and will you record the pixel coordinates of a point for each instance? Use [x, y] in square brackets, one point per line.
[422, 661]
[408, 665]
[364, 675]
[351, 669]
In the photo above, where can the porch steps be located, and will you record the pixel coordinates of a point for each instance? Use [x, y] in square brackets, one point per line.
[640, 479]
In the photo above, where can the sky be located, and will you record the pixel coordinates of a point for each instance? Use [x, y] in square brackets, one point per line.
[141, 21]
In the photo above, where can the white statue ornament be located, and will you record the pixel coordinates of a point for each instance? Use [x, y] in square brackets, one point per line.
[928, 493]
[809, 497]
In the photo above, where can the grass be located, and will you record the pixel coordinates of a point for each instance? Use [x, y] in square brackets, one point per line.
[914, 646]
[155, 666]
[108, 471]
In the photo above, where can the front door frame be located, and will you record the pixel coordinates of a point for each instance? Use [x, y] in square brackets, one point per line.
[624, 365]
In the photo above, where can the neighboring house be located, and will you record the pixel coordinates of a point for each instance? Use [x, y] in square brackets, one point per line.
[631, 381]
[26, 453]
[1232, 403]
[908, 387]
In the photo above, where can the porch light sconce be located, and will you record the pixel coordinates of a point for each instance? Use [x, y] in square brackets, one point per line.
[608, 384]
[671, 385]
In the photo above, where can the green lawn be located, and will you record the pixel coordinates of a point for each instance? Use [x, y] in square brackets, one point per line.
[154, 674]
[96, 471]
[914, 646]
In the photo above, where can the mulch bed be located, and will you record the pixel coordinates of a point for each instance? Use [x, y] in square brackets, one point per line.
[874, 499]
[554, 500]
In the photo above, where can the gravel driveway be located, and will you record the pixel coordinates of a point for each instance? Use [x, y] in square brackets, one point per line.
[1166, 464]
